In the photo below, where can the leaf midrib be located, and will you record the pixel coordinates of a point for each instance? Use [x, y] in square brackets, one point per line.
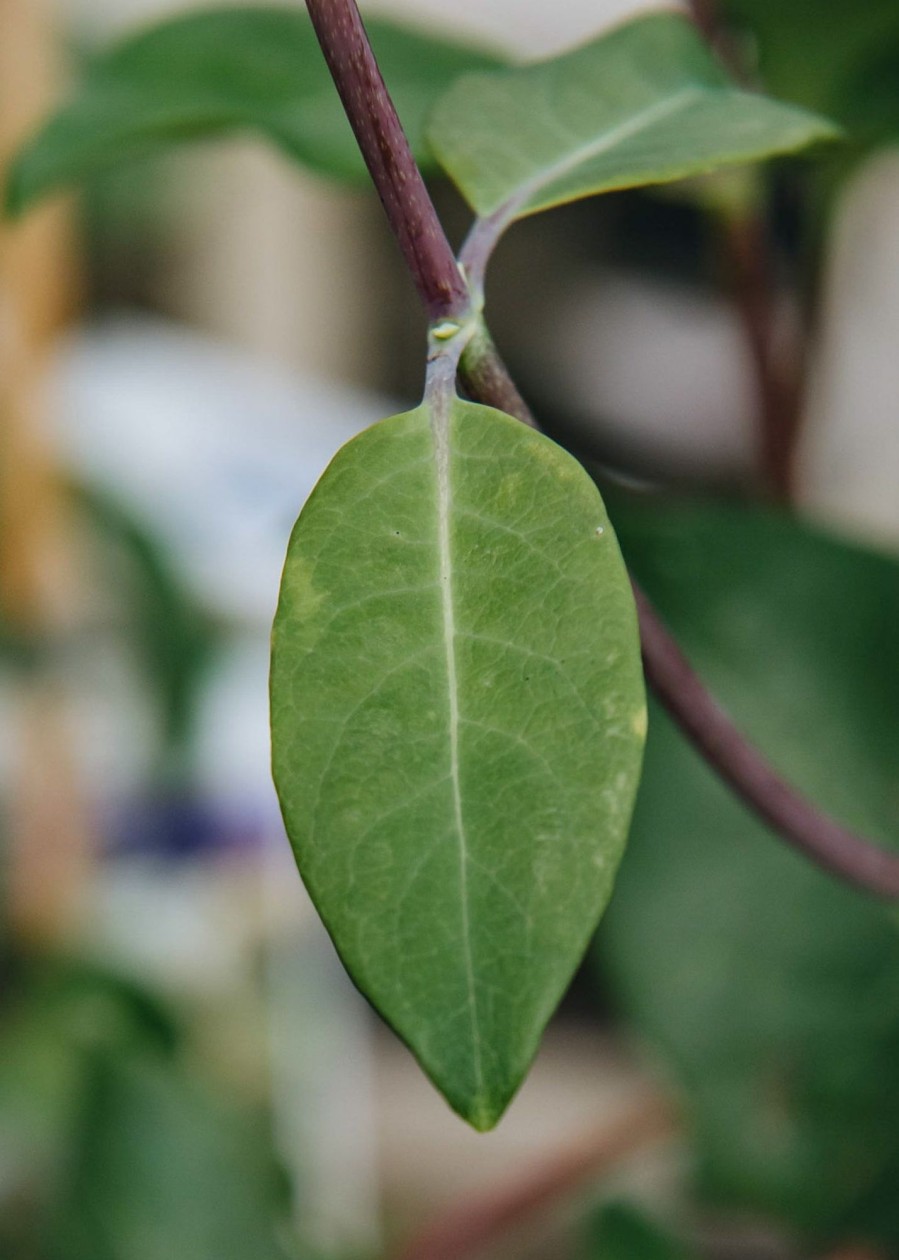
[440, 423]
[590, 149]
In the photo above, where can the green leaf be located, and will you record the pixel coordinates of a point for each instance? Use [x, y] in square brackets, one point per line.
[644, 104]
[127, 1154]
[174, 639]
[458, 721]
[771, 989]
[57, 1012]
[160, 1166]
[621, 1232]
[255, 69]
[807, 52]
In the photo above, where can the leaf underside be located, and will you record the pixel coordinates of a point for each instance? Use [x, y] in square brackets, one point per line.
[458, 720]
[221, 71]
[646, 103]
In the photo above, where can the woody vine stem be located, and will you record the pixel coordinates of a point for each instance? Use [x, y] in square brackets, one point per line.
[450, 292]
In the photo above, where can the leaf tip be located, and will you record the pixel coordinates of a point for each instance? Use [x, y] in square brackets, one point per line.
[480, 1104]
[484, 1107]
[484, 1113]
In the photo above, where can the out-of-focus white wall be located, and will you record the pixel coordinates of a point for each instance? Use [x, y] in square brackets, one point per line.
[529, 27]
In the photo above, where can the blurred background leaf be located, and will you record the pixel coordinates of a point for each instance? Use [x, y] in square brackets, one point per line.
[825, 57]
[160, 1166]
[620, 1231]
[114, 1147]
[770, 990]
[230, 70]
[173, 637]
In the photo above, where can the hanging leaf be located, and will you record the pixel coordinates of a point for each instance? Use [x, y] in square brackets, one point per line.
[645, 104]
[174, 637]
[458, 721]
[219, 71]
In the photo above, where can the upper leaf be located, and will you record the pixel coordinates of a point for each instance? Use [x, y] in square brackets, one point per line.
[457, 725]
[644, 104]
[216, 71]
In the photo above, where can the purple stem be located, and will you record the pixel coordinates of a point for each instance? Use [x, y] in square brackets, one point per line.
[389, 158]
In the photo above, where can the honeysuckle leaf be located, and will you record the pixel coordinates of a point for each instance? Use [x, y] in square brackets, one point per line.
[644, 104]
[770, 988]
[256, 69]
[143, 1134]
[806, 51]
[458, 720]
[620, 1231]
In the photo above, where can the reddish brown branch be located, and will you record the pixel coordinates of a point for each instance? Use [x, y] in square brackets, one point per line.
[389, 158]
[487, 379]
[466, 1230]
[777, 368]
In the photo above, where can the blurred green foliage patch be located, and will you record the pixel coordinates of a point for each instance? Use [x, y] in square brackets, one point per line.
[220, 71]
[113, 1147]
[621, 1231]
[770, 989]
[173, 637]
[825, 55]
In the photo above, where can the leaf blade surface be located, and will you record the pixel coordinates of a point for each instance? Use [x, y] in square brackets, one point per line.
[458, 720]
[645, 103]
